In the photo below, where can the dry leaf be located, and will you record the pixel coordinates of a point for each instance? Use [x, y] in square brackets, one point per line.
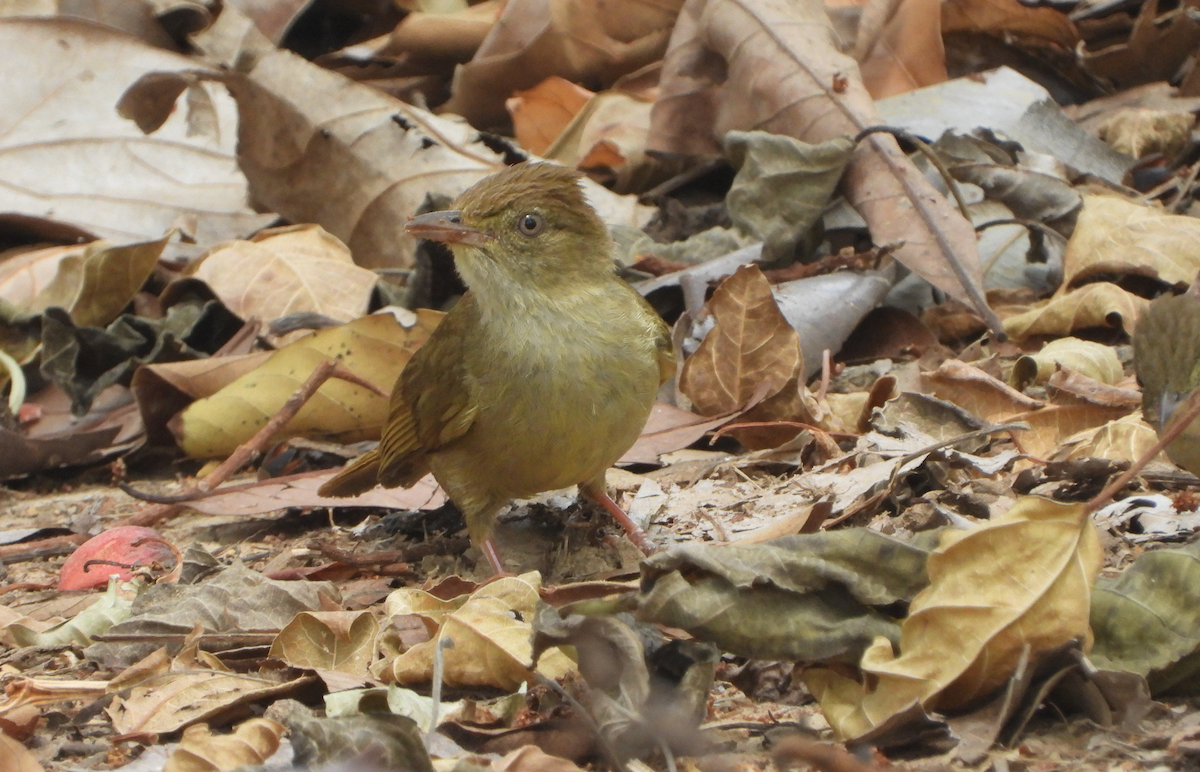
[1089, 358]
[1093, 305]
[490, 633]
[899, 46]
[289, 270]
[1116, 236]
[1156, 48]
[374, 347]
[1126, 439]
[339, 641]
[730, 67]
[540, 114]
[977, 392]
[253, 742]
[751, 352]
[16, 757]
[110, 179]
[580, 40]
[1010, 17]
[1017, 585]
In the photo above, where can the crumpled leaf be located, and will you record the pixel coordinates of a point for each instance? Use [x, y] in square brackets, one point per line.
[288, 270]
[1155, 50]
[1145, 620]
[1116, 236]
[635, 706]
[110, 609]
[809, 597]
[540, 114]
[750, 351]
[375, 347]
[1018, 584]
[109, 178]
[375, 739]
[234, 600]
[92, 285]
[490, 631]
[1099, 304]
[728, 67]
[580, 40]
[1140, 132]
[253, 742]
[84, 361]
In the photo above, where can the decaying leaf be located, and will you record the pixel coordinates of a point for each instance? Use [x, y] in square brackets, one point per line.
[899, 46]
[1018, 585]
[338, 641]
[810, 597]
[1145, 621]
[1141, 132]
[1116, 236]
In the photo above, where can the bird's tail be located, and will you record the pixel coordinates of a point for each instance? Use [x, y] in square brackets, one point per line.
[359, 476]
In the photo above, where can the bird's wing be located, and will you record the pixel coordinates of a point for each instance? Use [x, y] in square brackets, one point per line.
[433, 403]
[664, 348]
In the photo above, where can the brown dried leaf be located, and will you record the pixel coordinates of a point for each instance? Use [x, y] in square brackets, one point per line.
[1019, 585]
[775, 66]
[1053, 426]
[274, 495]
[1141, 132]
[338, 641]
[540, 114]
[253, 742]
[974, 390]
[580, 40]
[1009, 17]
[288, 270]
[109, 178]
[750, 353]
[899, 46]
[1116, 236]
[1093, 305]
[1156, 48]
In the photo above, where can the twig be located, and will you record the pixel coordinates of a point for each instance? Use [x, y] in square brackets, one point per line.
[249, 450]
[1184, 415]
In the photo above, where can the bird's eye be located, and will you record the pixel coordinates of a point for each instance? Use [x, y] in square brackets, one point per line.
[530, 224]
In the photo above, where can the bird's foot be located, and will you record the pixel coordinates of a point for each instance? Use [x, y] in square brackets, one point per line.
[632, 529]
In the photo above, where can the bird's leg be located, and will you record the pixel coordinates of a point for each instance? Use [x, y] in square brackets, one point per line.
[634, 531]
[490, 552]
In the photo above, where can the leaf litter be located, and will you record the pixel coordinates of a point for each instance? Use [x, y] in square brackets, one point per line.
[880, 552]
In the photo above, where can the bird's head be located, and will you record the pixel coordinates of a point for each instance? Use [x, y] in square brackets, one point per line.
[527, 226]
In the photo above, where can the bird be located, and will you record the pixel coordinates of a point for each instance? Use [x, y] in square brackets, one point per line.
[1166, 353]
[543, 373]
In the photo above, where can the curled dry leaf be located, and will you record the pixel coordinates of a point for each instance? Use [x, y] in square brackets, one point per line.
[1087, 357]
[1116, 236]
[974, 390]
[750, 351]
[1127, 439]
[580, 40]
[489, 631]
[110, 179]
[776, 67]
[374, 347]
[1017, 585]
[253, 742]
[1101, 304]
[1157, 47]
[1010, 17]
[281, 271]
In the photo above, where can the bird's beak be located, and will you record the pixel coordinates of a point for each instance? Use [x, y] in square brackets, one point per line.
[446, 227]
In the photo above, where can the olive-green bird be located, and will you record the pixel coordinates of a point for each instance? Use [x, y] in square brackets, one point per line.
[540, 377]
[1166, 350]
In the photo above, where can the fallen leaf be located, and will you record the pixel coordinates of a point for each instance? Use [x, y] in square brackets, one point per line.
[1100, 304]
[729, 67]
[1018, 585]
[899, 46]
[541, 113]
[289, 270]
[374, 347]
[111, 179]
[1086, 357]
[253, 742]
[337, 641]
